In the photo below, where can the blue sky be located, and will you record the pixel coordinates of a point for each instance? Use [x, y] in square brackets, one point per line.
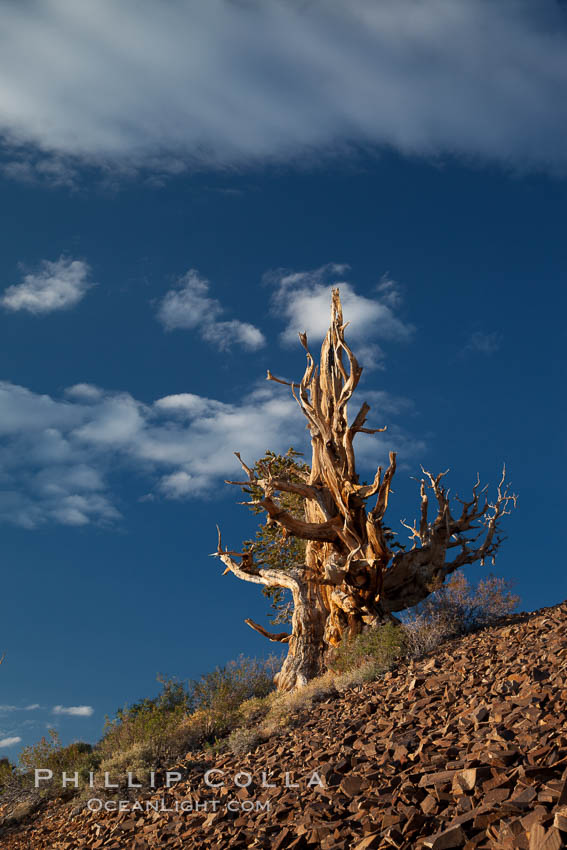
[180, 190]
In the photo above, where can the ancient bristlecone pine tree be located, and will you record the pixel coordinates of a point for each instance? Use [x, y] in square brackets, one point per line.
[351, 579]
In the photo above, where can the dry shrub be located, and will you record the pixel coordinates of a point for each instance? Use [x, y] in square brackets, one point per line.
[255, 709]
[425, 633]
[188, 734]
[181, 719]
[219, 695]
[137, 760]
[458, 608]
[50, 754]
[242, 741]
[148, 723]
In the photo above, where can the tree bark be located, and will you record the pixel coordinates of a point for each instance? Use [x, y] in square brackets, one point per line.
[306, 655]
[351, 580]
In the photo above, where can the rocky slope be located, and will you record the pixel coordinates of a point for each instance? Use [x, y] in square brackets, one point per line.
[467, 748]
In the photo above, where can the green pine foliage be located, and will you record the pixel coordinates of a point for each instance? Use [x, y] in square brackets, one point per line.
[273, 547]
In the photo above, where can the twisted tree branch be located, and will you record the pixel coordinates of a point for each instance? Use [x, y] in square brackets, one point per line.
[415, 574]
[281, 637]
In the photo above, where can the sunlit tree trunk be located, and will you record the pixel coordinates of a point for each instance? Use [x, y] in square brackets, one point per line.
[351, 579]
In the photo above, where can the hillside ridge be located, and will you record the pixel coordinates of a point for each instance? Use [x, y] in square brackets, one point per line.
[466, 747]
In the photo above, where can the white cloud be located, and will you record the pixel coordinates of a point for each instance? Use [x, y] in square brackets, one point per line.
[189, 306]
[224, 334]
[57, 285]
[74, 710]
[302, 299]
[177, 485]
[33, 707]
[58, 457]
[189, 84]
[189, 405]
[9, 742]
[84, 392]
[114, 421]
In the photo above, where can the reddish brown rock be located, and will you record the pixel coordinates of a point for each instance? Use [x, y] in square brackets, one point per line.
[464, 749]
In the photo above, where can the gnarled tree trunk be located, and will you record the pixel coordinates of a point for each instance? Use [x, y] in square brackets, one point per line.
[351, 579]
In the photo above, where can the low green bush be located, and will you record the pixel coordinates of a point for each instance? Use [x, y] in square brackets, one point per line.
[147, 722]
[6, 772]
[186, 717]
[78, 757]
[220, 694]
[382, 645]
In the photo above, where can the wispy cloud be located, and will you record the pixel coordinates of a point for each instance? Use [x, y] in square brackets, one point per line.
[32, 166]
[57, 285]
[74, 710]
[484, 342]
[32, 707]
[58, 455]
[388, 404]
[9, 742]
[183, 85]
[302, 300]
[189, 306]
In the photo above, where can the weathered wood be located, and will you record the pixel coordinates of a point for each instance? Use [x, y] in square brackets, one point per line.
[280, 637]
[351, 579]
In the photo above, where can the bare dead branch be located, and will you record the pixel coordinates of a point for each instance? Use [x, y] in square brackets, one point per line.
[247, 469]
[321, 531]
[280, 637]
[415, 574]
[384, 490]
[270, 377]
[368, 490]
